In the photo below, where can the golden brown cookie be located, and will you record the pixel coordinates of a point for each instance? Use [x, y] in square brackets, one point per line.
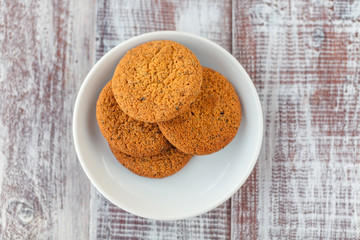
[211, 123]
[157, 81]
[127, 134]
[159, 166]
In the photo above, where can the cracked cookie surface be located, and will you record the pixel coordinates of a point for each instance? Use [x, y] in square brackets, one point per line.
[157, 81]
[212, 121]
[125, 133]
[159, 166]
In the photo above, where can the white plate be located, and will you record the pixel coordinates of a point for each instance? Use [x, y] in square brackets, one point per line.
[206, 181]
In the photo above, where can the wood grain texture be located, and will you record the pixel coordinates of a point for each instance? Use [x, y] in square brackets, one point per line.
[118, 21]
[304, 59]
[44, 194]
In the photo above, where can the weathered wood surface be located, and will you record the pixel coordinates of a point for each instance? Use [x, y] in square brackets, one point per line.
[303, 57]
[43, 59]
[118, 21]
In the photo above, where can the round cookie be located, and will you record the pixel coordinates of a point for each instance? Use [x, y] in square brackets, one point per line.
[159, 166]
[211, 123]
[127, 134]
[157, 81]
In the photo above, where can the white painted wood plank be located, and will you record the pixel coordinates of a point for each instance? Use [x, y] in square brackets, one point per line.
[304, 59]
[46, 50]
[118, 21]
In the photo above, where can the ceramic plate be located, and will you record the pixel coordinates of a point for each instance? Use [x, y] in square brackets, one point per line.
[206, 181]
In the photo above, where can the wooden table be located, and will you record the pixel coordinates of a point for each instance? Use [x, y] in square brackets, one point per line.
[303, 57]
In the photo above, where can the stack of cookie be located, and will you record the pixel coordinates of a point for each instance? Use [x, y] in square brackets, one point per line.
[162, 107]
